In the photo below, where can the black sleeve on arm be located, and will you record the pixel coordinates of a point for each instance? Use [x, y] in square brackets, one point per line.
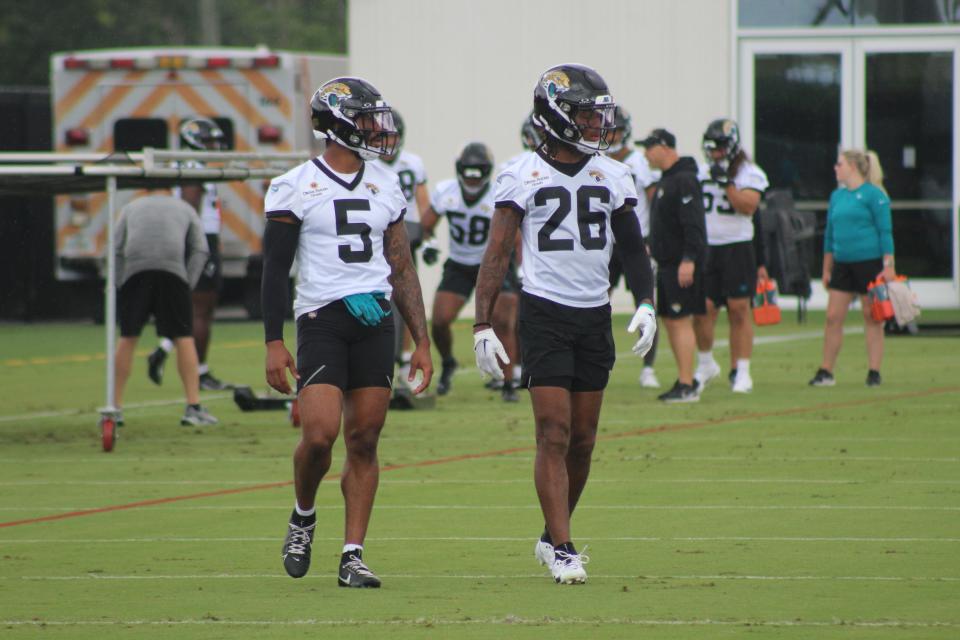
[692, 219]
[633, 253]
[279, 248]
[759, 246]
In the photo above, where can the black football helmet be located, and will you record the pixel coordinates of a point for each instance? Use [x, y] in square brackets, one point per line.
[722, 134]
[531, 135]
[202, 134]
[474, 168]
[352, 113]
[622, 123]
[571, 103]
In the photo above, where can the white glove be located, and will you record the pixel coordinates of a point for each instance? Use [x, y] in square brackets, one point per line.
[487, 347]
[646, 320]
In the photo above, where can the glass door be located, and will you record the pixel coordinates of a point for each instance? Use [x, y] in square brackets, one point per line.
[801, 100]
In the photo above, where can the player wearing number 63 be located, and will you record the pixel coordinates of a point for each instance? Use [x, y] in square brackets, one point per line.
[467, 203]
[569, 203]
[342, 217]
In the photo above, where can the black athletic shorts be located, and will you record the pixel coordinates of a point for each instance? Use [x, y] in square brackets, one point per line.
[674, 301]
[158, 293]
[564, 346]
[730, 272]
[334, 348]
[461, 279]
[853, 277]
[212, 277]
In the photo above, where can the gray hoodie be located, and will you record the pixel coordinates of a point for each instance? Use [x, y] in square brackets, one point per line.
[160, 233]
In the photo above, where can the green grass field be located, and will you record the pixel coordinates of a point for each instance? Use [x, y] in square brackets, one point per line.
[790, 513]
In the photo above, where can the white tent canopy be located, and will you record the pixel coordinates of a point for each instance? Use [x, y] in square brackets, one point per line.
[45, 173]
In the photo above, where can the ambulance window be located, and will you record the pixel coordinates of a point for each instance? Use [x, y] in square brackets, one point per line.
[226, 125]
[133, 134]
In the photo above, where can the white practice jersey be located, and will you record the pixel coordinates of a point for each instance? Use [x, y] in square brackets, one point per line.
[410, 171]
[566, 224]
[724, 225]
[469, 223]
[209, 202]
[643, 177]
[341, 232]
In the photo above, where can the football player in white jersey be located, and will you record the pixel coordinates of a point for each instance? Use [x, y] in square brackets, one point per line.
[646, 180]
[200, 134]
[467, 203]
[569, 203]
[732, 189]
[342, 218]
[412, 174]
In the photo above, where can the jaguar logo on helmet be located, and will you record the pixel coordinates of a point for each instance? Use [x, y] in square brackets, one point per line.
[729, 126]
[555, 82]
[334, 93]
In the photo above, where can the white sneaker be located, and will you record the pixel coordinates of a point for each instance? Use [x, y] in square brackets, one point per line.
[743, 383]
[706, 372]
[567, 568]
[648, 378]
[543, 552]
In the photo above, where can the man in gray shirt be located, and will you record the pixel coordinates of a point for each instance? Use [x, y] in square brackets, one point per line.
[161, 251]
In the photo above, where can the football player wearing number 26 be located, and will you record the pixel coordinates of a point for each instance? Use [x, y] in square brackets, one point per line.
[342, 218]
[569, 203]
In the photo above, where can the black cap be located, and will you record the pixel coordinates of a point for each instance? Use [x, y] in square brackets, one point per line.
[658, 136]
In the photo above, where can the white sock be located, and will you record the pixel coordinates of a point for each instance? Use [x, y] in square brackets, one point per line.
[705, 358]
[203, 368]
[166, 344]
[306, 513]
[347, 548]
[743, 364]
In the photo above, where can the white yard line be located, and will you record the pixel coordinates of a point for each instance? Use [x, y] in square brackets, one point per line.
[509, 621]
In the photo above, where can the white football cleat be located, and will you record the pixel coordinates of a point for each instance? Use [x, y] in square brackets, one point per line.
[743, 383]
[705, 373]
[543, 551]
[648, 378]
[567, 568]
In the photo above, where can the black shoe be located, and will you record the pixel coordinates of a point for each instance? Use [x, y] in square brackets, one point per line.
[681, 393]
[355, 574]
[509, 392]
[873, 378]
[209, 383]
[732, 376]
[296, 547]
[824, 378]
[155, 363]
[493, 384]
[446, 377]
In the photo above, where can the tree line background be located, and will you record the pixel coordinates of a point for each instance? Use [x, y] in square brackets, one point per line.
[30, 31]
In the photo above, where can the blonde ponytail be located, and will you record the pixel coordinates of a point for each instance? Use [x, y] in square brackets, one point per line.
[867, 165]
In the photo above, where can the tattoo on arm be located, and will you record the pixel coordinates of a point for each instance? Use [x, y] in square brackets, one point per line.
[503, 232]
[406, 286]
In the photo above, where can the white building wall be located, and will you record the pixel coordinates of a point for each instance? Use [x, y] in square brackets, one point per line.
[461, 70]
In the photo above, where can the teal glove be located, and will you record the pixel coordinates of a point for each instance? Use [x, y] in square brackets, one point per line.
[365, 308]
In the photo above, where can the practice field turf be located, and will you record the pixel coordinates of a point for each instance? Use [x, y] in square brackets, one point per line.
[793, 512]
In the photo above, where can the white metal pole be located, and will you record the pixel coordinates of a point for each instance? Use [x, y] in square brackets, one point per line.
[111, 292]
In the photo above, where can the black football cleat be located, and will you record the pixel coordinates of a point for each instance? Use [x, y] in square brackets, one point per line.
[355, 574]
[155, 362]
[296, 546]
[449, 367]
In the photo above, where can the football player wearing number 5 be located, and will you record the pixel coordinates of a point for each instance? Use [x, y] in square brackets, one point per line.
[732, 188]
[467, 203]
[569, 203]
[342, 218]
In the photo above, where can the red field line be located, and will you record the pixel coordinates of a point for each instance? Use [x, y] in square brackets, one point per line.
[498, 452]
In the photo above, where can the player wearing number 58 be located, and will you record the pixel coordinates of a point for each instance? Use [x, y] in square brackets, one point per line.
[342, 218]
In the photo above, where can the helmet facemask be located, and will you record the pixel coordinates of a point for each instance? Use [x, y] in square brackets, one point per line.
[473, 179]
[589, 128]
[351, 113]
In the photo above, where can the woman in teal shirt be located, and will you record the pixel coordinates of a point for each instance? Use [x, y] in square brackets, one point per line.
[857, 249]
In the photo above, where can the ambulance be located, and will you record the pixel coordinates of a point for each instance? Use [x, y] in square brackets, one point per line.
[123, 100]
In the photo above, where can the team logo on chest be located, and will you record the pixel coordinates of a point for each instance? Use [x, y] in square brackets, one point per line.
[372, 188]
[596, 175]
